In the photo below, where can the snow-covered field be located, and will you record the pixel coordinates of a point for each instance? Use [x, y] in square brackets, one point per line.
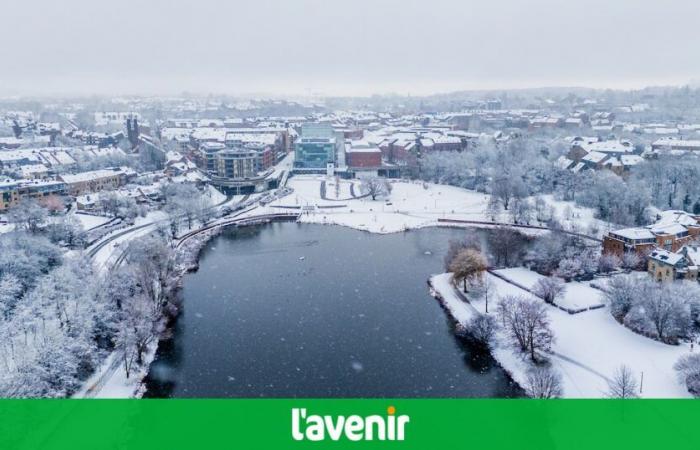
[577, 295]
[589, 347]
[410, 205]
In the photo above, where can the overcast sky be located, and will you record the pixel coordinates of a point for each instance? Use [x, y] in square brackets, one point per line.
[352, 47]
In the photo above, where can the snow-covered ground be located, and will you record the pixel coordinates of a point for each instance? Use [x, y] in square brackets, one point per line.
[410, 205]
[344, 190]
[215, 195]
[89, 221]
[589, 347]
[6, 227]
[110, 381]
[577, 295]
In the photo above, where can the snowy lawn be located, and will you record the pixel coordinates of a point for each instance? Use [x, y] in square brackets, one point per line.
[89, 221]
[343, 189]
[577, 295]
[409, 205]
[589, 347]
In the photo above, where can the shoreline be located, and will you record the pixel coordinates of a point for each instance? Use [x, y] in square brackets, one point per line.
[461, 318]
[187, 260]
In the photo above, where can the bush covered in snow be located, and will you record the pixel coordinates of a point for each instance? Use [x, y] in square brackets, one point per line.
[688, 368]
[549, 289]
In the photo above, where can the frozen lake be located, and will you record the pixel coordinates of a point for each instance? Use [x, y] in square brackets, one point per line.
[298, 310]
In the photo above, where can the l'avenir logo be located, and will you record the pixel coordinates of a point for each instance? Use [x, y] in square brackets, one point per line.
[313, 427]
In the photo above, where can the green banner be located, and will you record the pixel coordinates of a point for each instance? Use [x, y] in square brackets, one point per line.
[349, 423]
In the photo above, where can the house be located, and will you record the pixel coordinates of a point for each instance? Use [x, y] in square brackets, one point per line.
[671, 232]
[663, 265]
[9, 194]
[96, 180]
[674, 145]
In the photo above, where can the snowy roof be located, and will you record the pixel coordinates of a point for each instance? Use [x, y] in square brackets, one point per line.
[692, 253]
[673, 216]
[677, 143]
[673, 228]
[563, 162]
[595, 157]
[92, 175]
[361, 147]
[609, 147]
[635, 233]
[630, 160]
[666, 257]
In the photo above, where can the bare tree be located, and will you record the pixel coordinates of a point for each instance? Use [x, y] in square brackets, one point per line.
[549, 289]
[543, 382]
[506, 245]
[468, 266]
[527, 324]
[376, 187]
[623, 384]
[482, 329]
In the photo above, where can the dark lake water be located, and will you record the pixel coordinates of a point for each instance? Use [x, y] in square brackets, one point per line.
[298, 310]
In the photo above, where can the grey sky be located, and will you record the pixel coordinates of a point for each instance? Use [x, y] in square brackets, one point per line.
[349, 47]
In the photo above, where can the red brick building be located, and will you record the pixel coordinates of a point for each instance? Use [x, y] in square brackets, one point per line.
[671, 232]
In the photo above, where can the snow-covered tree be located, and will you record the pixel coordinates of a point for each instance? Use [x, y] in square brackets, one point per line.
[506, 245]
[527, 324]
[549, 289]
[623, 384]
[688, 368]
[608, 263]
[10, 290]
[620, 294]
[27, 215]
[376, 187]
[153, 263]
